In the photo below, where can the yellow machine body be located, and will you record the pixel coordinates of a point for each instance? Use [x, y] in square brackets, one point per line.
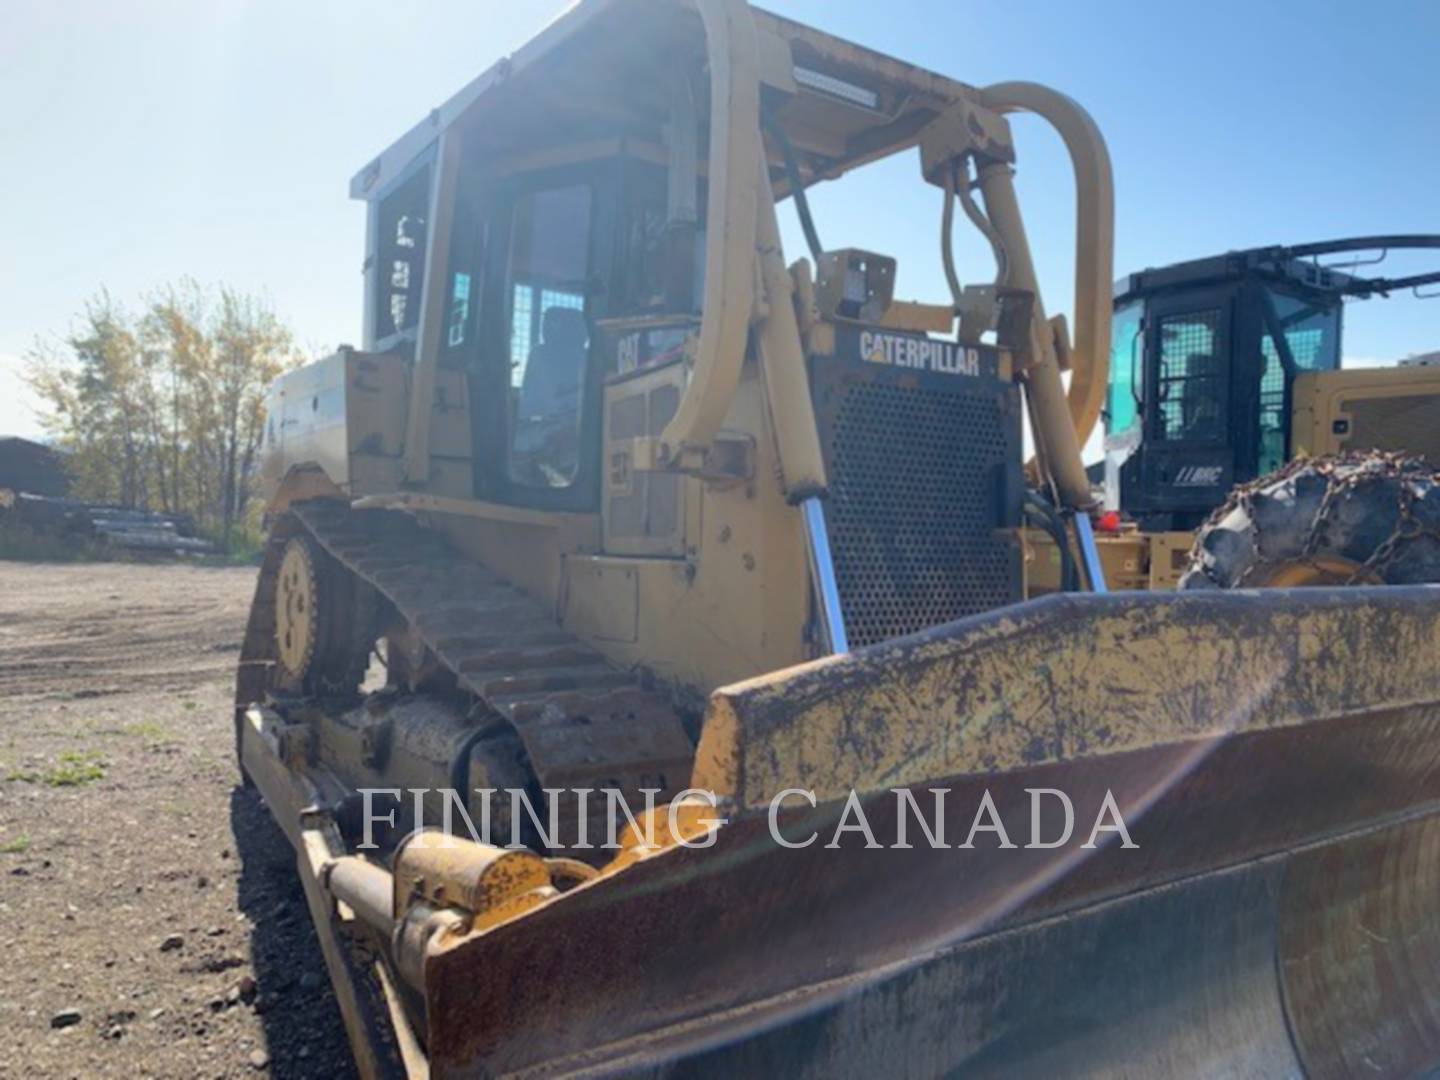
[1393, 408]
[763, 560]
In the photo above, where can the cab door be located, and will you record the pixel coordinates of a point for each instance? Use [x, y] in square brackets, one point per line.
[1189, 460]
[545, 295]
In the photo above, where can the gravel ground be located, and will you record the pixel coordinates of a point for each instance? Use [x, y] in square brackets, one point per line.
[151, 923]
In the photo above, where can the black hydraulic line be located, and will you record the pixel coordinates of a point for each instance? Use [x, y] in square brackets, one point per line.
[1362, 286]
[1388, 285]
[1049, 520]
[947, 231]
[1360, 243]
[797, 189]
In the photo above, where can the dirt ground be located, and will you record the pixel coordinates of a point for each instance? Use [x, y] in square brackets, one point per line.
[140, 887]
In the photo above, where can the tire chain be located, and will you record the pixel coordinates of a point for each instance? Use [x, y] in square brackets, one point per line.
[1344, 473]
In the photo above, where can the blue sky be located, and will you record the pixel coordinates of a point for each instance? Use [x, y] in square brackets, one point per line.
[147, 140]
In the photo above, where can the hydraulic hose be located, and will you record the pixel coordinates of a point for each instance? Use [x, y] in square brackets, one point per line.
[981, 222]
[947, 236]
[797, 189]
[1048, 518]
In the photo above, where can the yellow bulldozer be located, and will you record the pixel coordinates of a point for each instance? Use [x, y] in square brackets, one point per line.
[640, 664]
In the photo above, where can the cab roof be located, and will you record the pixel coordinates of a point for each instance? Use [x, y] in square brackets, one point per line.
[1298, 265]
[594, 73]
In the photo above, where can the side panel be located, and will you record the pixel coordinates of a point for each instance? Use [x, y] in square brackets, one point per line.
[1169, 558]
[345, 416]
[307, 413]
[735, 600]
[602, 600]
[1385, 409]
[644, 512]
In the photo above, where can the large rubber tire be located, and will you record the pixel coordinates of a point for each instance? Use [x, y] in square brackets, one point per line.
[1356, 519]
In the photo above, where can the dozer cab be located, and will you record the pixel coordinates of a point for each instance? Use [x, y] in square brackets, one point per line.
[638, 663]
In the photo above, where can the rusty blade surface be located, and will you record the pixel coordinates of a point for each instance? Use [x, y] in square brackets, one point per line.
[1359, 954]
[1262, 831]
[1068, 677]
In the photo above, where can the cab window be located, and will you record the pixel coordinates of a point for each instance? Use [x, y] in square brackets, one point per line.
[1126, 369]
[401, 255]
[549, 334]
[1312, 333]
[1190, 388]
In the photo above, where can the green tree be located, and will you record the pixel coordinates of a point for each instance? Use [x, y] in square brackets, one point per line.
[165, 411]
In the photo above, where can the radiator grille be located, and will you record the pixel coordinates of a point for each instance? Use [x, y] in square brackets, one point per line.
[920, 481]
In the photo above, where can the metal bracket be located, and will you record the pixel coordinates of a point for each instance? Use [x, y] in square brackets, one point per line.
[1089, 553]
[963, 130]
[730, 458]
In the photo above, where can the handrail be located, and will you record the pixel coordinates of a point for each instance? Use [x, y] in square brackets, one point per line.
[734, 161]
[1094, 238]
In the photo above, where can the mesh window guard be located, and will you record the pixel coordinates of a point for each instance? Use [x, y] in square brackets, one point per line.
[1190, 389]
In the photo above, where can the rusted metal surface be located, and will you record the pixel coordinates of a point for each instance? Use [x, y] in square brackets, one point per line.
[450, 871]
[379, 1037]
[1175, 983]
[1359, 954]
[850, 961]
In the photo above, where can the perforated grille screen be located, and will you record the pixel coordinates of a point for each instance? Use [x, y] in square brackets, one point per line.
[922, 475]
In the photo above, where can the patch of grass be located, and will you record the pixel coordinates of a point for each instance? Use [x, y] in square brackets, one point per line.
[245, 549]
[73, 769]
[18, 846]
[146, 729]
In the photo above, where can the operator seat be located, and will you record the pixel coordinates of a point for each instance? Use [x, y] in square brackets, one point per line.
[546, 438]
[555, 370]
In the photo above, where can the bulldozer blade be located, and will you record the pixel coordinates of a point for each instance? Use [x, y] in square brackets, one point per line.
[1274, 757]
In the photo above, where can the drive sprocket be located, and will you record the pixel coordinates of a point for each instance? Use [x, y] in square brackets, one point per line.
[323, 623]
